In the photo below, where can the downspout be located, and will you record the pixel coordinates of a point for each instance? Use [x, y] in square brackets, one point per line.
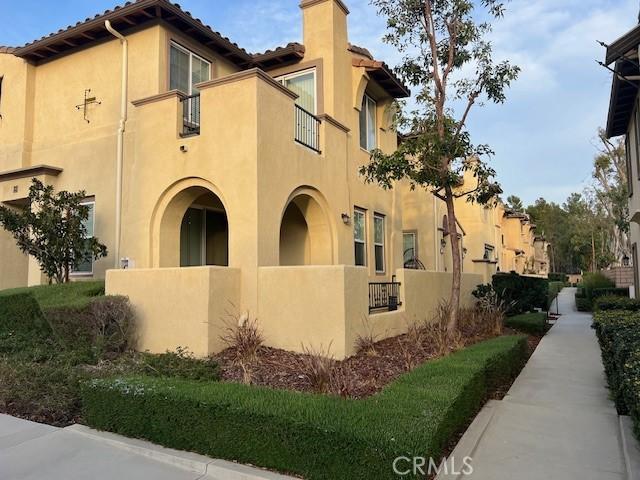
[121, 130]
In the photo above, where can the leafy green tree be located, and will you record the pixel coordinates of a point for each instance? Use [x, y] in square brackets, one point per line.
[52, 230]
[515, 203]
[449, 61]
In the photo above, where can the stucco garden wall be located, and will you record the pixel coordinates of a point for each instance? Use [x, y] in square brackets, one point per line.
[179, 307]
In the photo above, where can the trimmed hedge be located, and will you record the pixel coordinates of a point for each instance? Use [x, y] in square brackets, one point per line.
[609, 292]
[316, 436]
[521, 293]
[558, 277]
[616, 303]
[533, 323]
[22, 324]
[618, 333]
[583, 304]
[76, 294]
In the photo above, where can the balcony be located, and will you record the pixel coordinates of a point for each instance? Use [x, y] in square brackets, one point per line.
[307, 132]
[190, 115]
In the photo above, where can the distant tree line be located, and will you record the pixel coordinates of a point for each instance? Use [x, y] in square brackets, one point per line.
[589, 231]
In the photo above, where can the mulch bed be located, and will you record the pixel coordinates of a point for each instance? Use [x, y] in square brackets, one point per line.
[361, 375]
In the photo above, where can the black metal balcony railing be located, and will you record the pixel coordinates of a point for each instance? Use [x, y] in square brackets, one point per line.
[384, 296]
[191, 115]
[307, 129]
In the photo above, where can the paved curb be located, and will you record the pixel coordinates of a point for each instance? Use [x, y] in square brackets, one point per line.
[467, 445]
[192, 462]
[630, 448]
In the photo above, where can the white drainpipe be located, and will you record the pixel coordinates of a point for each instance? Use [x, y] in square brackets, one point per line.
[121, 130]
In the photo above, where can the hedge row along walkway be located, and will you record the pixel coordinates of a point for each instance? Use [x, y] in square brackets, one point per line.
[557, 421]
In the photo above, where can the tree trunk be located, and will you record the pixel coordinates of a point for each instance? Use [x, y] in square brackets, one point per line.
[454, 300]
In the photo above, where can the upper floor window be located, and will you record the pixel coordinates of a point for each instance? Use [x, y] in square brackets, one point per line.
[488, 253]
[302, 84]
[186, 69]
[368, 139]
[360, 237]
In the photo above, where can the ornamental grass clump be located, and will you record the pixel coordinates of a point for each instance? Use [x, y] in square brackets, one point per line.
[244, 337]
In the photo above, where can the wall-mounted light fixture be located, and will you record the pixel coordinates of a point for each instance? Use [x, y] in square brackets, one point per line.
[346, 219]
[443, 245]
[184, 148]
[464, 252]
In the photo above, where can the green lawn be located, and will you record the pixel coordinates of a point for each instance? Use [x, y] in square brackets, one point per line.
[76, 294]
[533, 323]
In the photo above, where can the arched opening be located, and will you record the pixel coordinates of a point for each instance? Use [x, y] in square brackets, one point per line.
[305, 234]
[194, 230]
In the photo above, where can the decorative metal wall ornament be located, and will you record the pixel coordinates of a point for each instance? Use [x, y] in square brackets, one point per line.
[87, 101]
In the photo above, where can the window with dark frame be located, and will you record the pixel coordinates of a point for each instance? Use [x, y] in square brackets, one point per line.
[489, 251]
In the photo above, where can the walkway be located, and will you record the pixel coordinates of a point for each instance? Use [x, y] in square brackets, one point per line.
[557, 421]
[30, 451]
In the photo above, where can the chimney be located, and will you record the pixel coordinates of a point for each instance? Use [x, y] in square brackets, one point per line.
[326, 37]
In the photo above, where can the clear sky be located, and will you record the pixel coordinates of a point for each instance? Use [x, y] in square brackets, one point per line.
[543, 137]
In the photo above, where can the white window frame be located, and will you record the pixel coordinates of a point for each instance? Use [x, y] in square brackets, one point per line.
[365, 102]
[93, 229]
[360, 211]
[191, 54]
[381, 217]
[288, 76]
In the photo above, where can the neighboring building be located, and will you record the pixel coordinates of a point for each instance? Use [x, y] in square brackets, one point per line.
[541, 255]
[624, 119]
[242, 166]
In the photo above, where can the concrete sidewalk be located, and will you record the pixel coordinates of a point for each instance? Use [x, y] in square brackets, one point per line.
[33, 451]
[557, 421]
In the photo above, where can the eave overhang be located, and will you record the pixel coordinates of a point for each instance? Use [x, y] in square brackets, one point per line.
[623, 54]
[281, 56]
[383, 75]
[130, 17]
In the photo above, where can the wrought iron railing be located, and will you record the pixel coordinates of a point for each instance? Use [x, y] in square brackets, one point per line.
[191, 115]
[411, 262]
[384, 296]
[307, 129]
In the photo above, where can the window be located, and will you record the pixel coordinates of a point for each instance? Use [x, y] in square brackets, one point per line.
[187, 70]
[86, 268]
[409, 247]
[360, 237]
[302, 84]
[368, 124]
[378, 242]
[488, 253]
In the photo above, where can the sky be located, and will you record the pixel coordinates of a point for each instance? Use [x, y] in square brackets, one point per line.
[543, 137]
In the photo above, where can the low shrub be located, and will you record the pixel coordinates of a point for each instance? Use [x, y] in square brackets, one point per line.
[105, 324]
[609, 292]
[531, 323]
[23, 329]
[583, 304]
[558, 277]
[76, 294]
[179, 364]
[521, 293]
[315, 436]
[595, 280]
[616, 303]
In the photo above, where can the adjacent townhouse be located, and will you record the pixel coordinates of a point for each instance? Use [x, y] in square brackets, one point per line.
[624, 119]
[225, 183]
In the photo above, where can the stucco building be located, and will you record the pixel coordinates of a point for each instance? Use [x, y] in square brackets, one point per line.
[624, 119]
[225, 182]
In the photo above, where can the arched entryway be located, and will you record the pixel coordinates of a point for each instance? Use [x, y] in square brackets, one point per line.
[305, 233]
[193, 228]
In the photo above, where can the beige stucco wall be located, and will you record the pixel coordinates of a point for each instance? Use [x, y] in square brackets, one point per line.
[180, 307]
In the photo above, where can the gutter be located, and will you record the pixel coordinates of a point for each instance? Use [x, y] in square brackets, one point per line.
[120, 134]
